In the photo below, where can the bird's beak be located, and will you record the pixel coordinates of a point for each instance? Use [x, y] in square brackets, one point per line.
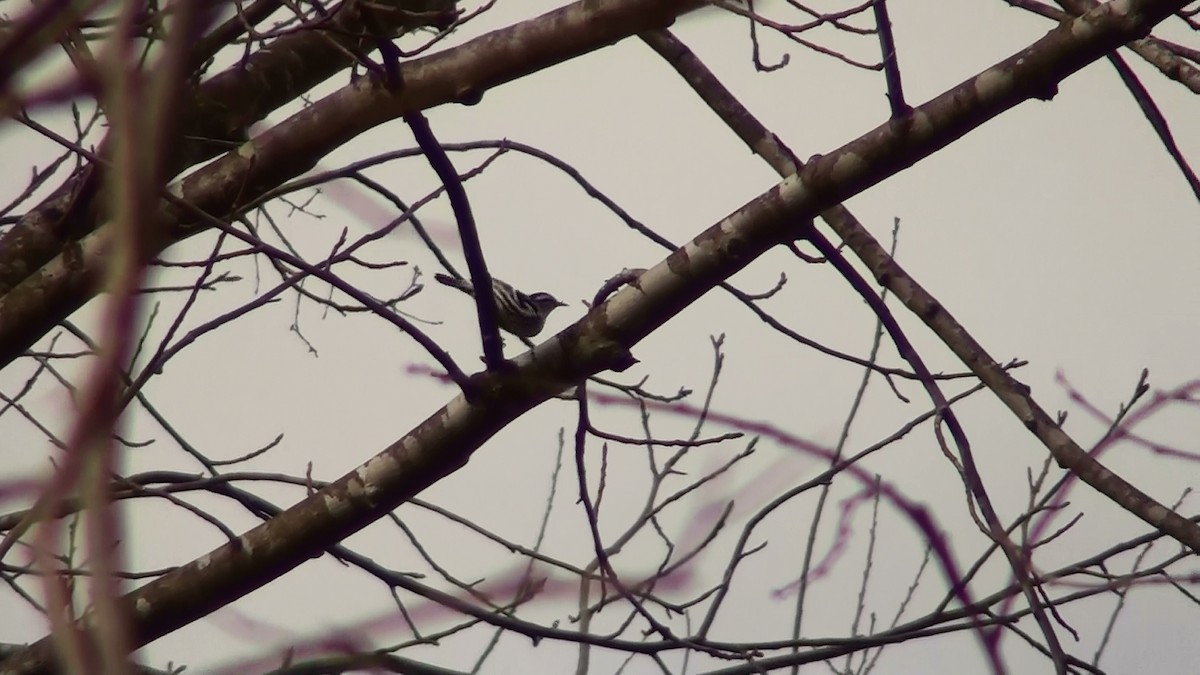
[561, 304]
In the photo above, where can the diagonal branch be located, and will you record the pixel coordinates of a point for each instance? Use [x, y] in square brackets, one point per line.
[446, 440]
[232, 182]
[1157, 120]
[889, 274]
[468, 234]
[214, 116]
[1163, 55]
[744, 123]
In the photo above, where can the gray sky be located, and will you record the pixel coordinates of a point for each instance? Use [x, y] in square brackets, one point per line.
[1060, 233]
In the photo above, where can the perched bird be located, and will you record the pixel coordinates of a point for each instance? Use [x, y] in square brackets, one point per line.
[520, 314]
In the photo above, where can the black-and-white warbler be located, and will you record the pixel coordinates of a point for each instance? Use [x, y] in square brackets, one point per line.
[520, 314]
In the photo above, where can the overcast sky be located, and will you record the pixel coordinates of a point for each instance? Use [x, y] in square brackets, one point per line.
[1060, 233]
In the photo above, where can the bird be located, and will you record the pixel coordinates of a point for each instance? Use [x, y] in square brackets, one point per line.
[520, 314]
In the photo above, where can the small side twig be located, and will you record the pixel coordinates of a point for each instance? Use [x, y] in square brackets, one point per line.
[489, 329]
[891, 67]
[1157, 120]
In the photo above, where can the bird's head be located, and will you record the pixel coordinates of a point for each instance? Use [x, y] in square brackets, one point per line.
[546, 303]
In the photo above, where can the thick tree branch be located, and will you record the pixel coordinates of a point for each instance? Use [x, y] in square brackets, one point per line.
[446, 440]
[766, 145]
[215, 116]
[1161, 54]
[230, 183]
[889, 274]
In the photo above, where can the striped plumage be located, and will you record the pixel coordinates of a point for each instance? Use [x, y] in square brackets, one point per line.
[520, 314]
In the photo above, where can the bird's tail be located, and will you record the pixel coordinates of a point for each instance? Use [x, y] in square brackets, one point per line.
[461, 284]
